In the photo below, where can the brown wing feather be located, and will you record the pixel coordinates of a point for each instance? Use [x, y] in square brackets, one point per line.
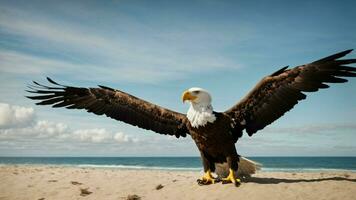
[112, 103]
[276, 94]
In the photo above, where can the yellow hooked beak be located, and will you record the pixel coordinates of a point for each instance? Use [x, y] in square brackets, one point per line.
[187, 96]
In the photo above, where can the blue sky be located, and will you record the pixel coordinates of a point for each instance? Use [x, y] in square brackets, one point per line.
[157, 49]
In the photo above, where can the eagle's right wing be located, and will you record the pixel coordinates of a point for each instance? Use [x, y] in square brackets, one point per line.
[114, 104]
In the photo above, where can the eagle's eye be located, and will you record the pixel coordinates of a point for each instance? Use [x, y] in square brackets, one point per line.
[196, 92]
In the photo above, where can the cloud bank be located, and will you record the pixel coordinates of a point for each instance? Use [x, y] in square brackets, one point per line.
[20, 129]
[15, 116]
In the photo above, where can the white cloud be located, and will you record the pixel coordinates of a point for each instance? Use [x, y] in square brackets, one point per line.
[92, 135]
[59, 132]
[46, 129]
[40, 130]
[15, 116]
[121, 137]
[18, 124]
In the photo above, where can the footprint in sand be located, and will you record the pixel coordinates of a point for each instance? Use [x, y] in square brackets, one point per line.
[133, 197]
[76, 183]
[160, 186]
[84, 192]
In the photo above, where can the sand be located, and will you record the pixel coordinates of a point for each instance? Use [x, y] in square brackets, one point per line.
[55, 182]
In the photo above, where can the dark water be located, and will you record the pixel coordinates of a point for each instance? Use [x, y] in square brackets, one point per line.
[188, 163]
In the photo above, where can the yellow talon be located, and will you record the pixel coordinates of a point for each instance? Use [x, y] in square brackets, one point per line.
[207, 179]
[231, 178]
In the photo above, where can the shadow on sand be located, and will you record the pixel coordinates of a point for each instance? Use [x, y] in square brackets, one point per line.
[283, 180]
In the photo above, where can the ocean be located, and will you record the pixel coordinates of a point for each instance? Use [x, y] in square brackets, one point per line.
[294, 164]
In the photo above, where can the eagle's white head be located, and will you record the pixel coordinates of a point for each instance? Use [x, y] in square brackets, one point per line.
[200, 111]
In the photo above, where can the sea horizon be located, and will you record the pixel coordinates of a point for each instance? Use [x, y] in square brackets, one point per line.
[186, 163]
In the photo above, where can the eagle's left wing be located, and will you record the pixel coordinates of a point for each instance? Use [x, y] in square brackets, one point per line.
[114, 104]
[277, 93]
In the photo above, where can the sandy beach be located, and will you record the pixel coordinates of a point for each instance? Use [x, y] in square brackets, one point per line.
[52, 182]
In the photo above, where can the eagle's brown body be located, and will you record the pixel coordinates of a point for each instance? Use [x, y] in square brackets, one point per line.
[215, 141]
[273, 96]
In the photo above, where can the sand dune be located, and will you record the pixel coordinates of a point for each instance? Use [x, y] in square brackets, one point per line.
[49, 182]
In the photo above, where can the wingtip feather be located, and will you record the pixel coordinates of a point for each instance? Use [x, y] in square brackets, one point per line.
[334, 56]
[51, 81]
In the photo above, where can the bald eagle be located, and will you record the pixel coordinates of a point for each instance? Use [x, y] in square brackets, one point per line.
[214, 133]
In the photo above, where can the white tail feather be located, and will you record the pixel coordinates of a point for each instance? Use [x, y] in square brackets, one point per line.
[246, 168]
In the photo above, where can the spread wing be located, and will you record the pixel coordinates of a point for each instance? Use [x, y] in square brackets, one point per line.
[112, 103]
[277, 93]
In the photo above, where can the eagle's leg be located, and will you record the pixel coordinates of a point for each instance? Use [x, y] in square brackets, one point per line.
[231, 178]
[233, 166]
[208, 167]
[206, 179]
